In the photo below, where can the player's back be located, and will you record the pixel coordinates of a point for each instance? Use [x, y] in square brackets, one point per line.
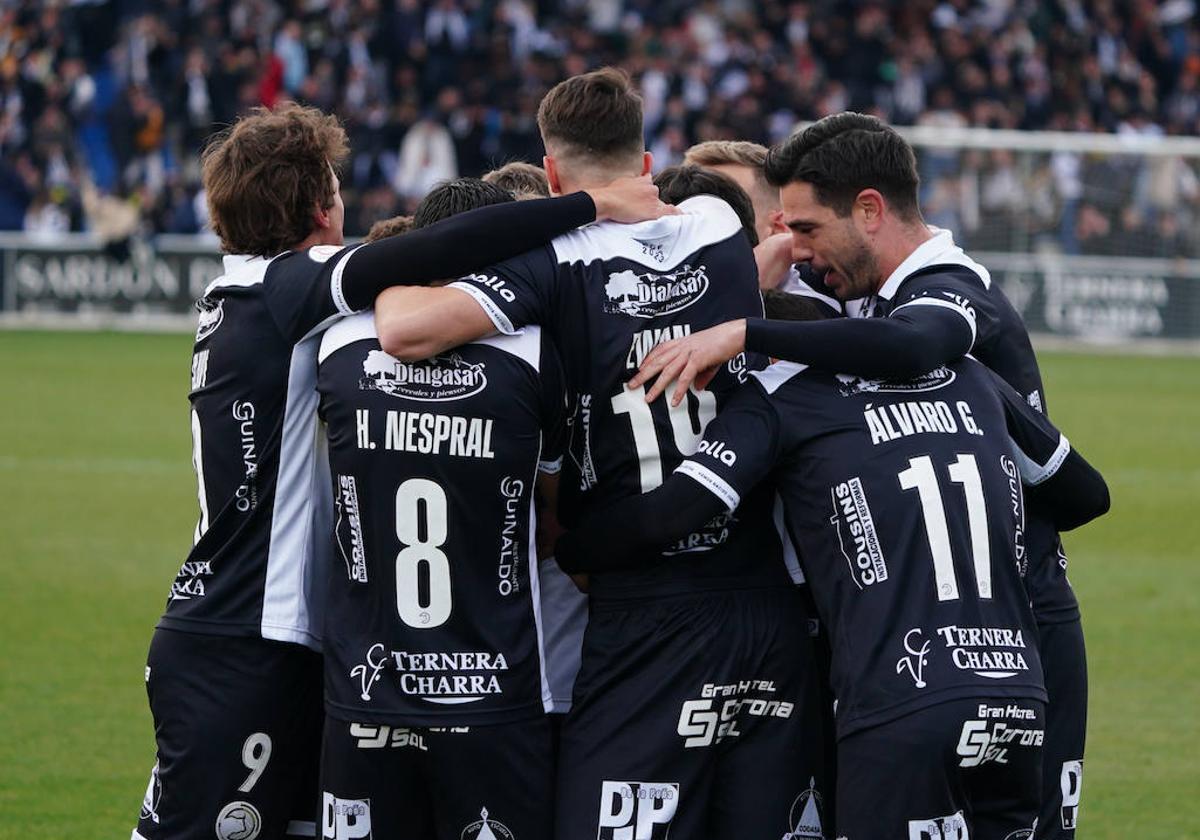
[908, 508]
[434, 587]
[252, 423]
[610, 293]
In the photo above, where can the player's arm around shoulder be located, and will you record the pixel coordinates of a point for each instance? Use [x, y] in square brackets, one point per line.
[416, 322]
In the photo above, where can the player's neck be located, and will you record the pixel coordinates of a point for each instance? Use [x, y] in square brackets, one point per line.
[894, 245]
[320, 236]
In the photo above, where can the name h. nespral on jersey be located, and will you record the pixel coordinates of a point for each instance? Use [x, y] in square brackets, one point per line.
[431, 434]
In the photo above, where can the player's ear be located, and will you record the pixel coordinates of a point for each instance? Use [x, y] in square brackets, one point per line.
[321, 220]
[775, 222]
[551, 167]
[869, 208]
[647, 163]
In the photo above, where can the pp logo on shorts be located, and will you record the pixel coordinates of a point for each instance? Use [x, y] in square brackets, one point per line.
[345, 819]
[952, 827]
[637, 810]
[238, 821]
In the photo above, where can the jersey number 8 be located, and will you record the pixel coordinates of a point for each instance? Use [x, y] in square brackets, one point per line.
[411, 497]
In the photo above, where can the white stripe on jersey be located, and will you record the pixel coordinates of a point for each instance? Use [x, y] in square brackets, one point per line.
[301, 522]
[1033, 473]
[711, 482]
[535, 591]
[773, 376]
[335, 283]
[499, 319]
[945, 304]
[660, 245]
[791, 559]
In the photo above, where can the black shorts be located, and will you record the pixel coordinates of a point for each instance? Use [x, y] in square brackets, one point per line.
[965, 768]
[238, 726]
[695, 716]
[1064, 665]
[419, 783]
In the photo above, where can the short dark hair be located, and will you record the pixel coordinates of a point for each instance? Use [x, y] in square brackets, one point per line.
[266, 174]
[520, 179]
[785, 306]
[595, 115]
[844, 154]
[458, 196]
[676, 183]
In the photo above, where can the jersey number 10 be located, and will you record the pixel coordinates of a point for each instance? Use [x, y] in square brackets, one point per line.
[686, 430]
[920, 476]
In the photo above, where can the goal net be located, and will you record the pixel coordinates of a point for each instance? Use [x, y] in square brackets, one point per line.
[1094, 236]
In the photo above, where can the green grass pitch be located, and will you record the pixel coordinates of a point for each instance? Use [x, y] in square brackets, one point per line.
[97, 506]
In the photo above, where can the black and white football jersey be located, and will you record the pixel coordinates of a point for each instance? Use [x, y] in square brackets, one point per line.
[906, 502]
[609, 293]
[433, 609]
[253, 422]
[939, 273]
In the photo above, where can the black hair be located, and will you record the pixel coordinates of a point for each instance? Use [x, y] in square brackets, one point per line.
[676, 183]
[844, 154]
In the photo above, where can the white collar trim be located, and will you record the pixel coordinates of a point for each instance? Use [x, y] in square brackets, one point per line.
[939, 249]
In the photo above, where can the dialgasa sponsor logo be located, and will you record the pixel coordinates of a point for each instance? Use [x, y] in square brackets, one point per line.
[440, 379]
[650, 294]
[211, 316]
[937, 378]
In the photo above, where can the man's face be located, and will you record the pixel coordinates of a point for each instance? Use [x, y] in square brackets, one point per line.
[743, 176]
[832, 245]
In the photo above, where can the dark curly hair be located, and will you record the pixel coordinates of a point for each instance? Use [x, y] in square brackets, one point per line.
[265, 174]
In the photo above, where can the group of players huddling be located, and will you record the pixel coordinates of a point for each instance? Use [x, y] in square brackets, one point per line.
[826, 597]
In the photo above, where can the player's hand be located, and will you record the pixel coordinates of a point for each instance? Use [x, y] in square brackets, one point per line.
[629, 199]
[693, 359]
[582, 582]
[774, 258]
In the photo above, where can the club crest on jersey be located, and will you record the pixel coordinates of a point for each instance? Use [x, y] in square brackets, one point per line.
[648, 295]
[211, 316]
[804, 819]
[937, 378]
[485, 829]
[440, 379]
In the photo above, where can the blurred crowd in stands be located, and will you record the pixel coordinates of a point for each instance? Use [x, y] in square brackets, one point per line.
[106, 104]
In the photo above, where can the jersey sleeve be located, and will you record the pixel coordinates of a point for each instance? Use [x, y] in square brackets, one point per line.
[517, 292]
[1039, 446]
[302, 289]
[953, 289]
[740, 447]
